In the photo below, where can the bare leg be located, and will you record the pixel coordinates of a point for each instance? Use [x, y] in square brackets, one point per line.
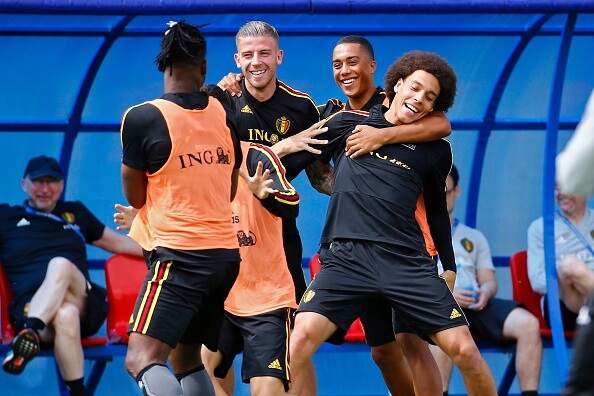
[397, 375]
[222, 387]
[310, 387]
[445, 365]
[311, 330]
[458, 344]
[67, 347]
[144, 350]
[575, 282]
[522, 326]
[63, 282]
[60, 304]
[266, 386]
[425, 373]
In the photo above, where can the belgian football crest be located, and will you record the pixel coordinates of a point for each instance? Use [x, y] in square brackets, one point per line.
[282, 125]
[68, 217]
[308, 296]
[467, 245]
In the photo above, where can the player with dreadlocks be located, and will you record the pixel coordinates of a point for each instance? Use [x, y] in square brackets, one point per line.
[179, 168]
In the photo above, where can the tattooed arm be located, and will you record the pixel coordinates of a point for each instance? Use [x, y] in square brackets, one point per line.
[320, 176]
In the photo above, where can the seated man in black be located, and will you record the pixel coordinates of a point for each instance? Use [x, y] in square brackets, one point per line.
[43, 249]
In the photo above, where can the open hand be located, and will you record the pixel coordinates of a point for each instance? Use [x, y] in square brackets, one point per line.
[363, 140]
[230, 83]
[259, 184]
[302, 141]
[124, 216]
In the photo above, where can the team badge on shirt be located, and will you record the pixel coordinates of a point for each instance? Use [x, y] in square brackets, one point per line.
[282, 125]
[68, 217]
[308, 296]
[467, 245]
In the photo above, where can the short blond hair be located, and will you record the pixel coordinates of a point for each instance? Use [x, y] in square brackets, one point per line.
[256, 29]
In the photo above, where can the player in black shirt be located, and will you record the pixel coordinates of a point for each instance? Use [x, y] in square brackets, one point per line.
[353, 65]
[376, 247]
[271, 113]
[268, 112]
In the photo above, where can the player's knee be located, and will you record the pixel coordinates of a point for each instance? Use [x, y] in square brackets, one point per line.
[528, 327]
[382, 354]
[465, 353]
[59, 266]
[67, 321]
[134, 362]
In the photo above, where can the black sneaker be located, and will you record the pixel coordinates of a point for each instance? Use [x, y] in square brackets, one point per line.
[24, 347]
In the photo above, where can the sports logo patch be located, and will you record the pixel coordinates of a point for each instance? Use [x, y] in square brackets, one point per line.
[467, 245]
[68, 217]
[275, 365]
[282, 125]
[274, 139]
[308, 295]
[246, 109]
[455, 314]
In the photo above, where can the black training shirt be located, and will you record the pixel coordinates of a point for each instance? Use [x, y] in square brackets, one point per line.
[28, 241]
[374, 196]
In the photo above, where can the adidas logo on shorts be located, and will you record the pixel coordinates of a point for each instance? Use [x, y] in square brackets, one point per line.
[455, 314]
[275, 365]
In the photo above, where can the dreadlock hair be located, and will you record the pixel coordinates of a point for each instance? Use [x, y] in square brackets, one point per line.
[182, 43]
[256, 29]
[362, 41]
[430, 62]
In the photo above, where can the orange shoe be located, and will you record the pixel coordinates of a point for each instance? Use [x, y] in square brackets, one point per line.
[24, 347]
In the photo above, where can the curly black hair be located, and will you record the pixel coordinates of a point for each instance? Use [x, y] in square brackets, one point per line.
[430, 62]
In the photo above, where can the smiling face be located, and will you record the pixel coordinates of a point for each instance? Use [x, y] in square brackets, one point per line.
[258, 58]
[570, 204]
[43, 192]
[353, 72]
[414, 97]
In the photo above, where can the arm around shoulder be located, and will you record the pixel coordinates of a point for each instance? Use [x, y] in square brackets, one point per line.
[433, 126]
[365, 138]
